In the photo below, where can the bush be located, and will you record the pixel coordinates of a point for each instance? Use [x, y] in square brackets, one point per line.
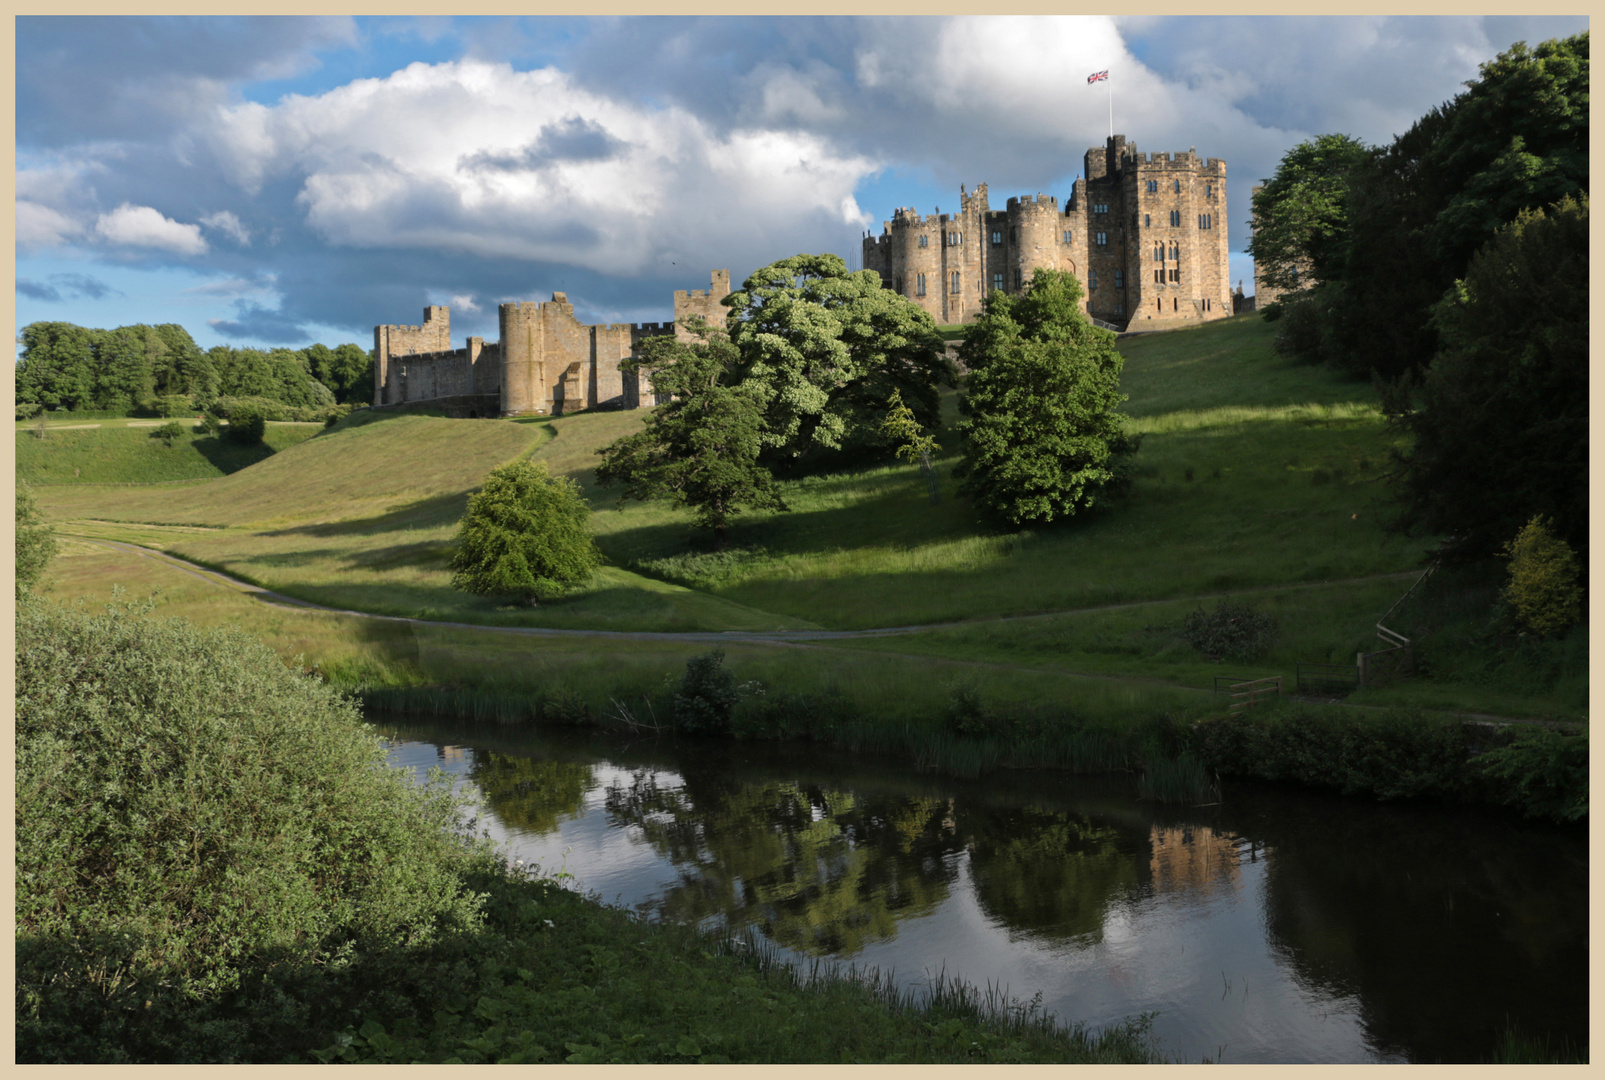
[525, 536]
[246, 424]
[168, 432]
[335, 413]
[1543, 591]
[1301, 330]
[208, 842]
[35, 542]
[707, 696]
[1543, 772]
[1233, 631]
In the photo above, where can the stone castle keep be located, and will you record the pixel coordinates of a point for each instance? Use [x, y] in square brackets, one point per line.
[1144, 233]
[547, 362]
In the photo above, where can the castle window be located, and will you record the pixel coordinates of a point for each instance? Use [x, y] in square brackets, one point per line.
[952, 239]
[1206, 303]
[1017, 276]
[1178, 187]
[1209, 191]
[1159, 277]
[1159, 304]
[1100, 208]
[1159, 253]
[1120, 279]
[1153, 186]
[1146, 221]
[897, 285]
[1203, 221]
[925, 241]
[1175, 218]
[997, 236]
[919, 282]
[955, 289]
[1092, 280]
[1120, 308]
[1103, 239]
[1175, 252]
[1175, 276]
[1067, 236]
[1175, 303]
[997, 282]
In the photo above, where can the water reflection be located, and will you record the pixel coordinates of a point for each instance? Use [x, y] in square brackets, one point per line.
[1277, 927]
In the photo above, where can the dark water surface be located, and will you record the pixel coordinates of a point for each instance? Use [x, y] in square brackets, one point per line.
[1275, 927]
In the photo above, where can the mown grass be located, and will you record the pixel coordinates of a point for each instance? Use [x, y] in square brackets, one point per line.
[1255, 477]
[120, 452]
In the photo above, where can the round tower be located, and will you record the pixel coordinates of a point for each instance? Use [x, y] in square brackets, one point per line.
[1037, 231]
[522, 381]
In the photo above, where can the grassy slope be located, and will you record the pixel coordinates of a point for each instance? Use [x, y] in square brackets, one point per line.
[1282, 498]
[120, 452]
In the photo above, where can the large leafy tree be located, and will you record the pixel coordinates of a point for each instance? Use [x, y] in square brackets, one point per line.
[1515, 140]
[1501, 423]
[1300, 215]
[35, 542]
[823, 350]
[1042, 439]
[525, 536]
[701, 447]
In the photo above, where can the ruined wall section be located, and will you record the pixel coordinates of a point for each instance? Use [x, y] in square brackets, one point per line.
[709, 305]
[433, 336]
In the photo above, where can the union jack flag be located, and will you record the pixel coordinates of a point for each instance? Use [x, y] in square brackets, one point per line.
[1097, 76]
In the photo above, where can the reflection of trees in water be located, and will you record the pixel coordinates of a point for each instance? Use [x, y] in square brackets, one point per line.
[1444, 925]
[817, 870]
[529, 794]
[1048, 873]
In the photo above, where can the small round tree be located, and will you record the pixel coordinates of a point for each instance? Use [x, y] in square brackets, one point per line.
[525, 536]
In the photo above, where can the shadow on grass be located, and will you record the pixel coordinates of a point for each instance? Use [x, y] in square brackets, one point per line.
[421, 514]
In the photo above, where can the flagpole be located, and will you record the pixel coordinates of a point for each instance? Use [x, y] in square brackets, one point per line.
[1111, 83]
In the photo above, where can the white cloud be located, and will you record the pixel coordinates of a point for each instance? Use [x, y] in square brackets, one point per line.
[142, 226]
[463, 303]
[232, 287]
[225, 222]
[462, 157]
[39, 226]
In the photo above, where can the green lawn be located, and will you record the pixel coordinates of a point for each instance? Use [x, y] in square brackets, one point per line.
[1255, 477]
[120, 451]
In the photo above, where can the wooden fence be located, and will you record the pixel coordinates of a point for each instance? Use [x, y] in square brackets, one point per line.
[1246, 693]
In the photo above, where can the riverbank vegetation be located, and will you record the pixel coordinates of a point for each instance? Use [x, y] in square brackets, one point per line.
[213, 867]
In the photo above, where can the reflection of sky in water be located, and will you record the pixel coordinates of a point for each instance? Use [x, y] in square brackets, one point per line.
[1190, 944]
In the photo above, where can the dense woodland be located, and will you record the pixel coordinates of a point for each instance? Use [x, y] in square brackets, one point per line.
[132, 368]
[1450, 267]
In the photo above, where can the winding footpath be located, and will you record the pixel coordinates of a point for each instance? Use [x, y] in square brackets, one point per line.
[795, 638]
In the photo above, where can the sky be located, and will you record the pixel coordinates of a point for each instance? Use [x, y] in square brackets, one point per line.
[284, 180]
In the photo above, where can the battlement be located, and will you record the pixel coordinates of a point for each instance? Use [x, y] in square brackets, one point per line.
[1035, 204]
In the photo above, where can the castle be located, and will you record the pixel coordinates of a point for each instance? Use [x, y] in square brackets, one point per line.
[547, 361]
[1144, 233]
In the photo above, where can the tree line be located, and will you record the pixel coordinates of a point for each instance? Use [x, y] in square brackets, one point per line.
[1450, 267]
[64, 366]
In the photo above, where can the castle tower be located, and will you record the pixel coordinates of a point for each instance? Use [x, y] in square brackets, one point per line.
[524, 380]
[432, 336]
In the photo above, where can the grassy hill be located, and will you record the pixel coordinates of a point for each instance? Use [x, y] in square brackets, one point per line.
[1256, 477]
[120, 451]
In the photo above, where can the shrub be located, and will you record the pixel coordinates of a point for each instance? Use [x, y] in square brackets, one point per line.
[1543, 590]
[246, 424]
[1233, 631]
[1543, 772]
[35, 541]
[334, 414]
[168, 432]
[208, 842]
[707, 696]
[525, 536]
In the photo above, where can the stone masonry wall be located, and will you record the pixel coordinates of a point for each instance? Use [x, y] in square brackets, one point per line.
[1145, 234]
[547, 362]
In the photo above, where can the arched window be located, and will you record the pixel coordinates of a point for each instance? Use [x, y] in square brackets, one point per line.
[955, 289]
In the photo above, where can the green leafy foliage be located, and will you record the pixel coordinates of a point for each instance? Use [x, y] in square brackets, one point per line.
[1543, 590]
[206, 840]
[1543, 772]
[526, 536]
[1301, 215]
[1516, 139]
[1042, 438]
[168, 432]
[701, 447]
[1501, 423]
[1232, 631]
[911, 440]
[35, 542]
[246, 425]
[707, 696]
[823, 350]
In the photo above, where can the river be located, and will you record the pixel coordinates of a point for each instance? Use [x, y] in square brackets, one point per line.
[1275, 927]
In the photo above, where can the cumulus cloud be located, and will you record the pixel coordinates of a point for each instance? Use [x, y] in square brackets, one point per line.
[463, 303]
[478, 158]
[144, 226]
[40, 226]
[225, 222]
